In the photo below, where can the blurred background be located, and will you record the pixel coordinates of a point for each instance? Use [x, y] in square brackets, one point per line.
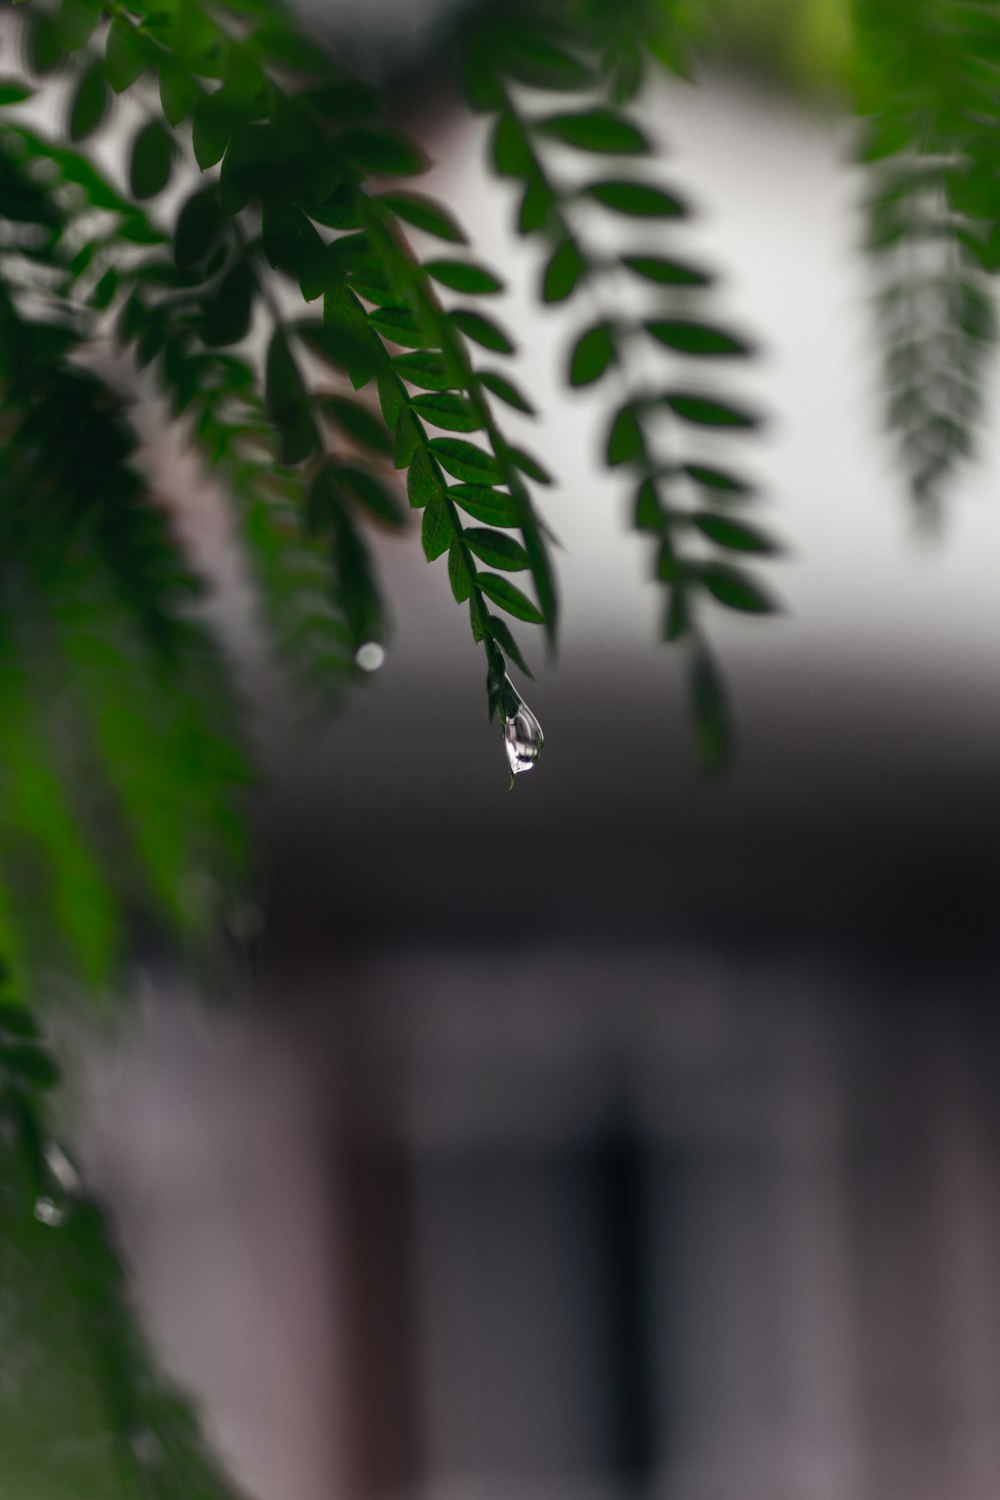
[625, 1135]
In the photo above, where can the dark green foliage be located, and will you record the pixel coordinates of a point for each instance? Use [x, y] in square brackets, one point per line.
[605, 62]
[592, 354]
[151, 161]
[927, 83]
[277, 306]
[89, 103]
[116, 1425]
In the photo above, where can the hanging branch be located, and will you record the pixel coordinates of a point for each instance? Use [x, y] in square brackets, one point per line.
[928, 81]
[685, 502]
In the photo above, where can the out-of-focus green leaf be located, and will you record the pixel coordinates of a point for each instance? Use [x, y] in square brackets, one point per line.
[735, 589]
[151, 161]
[425, 215]
[563, 271]
[506, 390]
[592, 353]
[288, 402]
[689, 337]
[124, 59]
[595, 130]
[704, 411]
[737, 535]
[89, 104]
[636, 199]
[481, 330]
[463, 276]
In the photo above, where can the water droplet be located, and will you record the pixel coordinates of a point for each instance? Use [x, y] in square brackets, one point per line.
[523, 739]
[146, 1447]
[370, 656]
[64, 1174]
[47, 1211]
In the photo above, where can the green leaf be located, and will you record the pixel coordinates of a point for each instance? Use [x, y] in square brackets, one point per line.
[636, 200]
[391, 398]
[400, 326]
[344, 100]
[429, 371]
[506, 390]
[510, 149]
[343, 346]
[509, 597]
[45, 51]
[151, 161]
[436, 530]
[30, 1064]
[563, 272]
[458, 573]
[12, 91]
[648, 514]
[423, 482]
[625, 440]
[713, 722]
[595, 130]
[701, 411]
[229, 310]
[486, 504]
[423, 214]
[409, 437]
[542, 61]
[288, 402]
[717, 479]
[359, 596]
[358, 423]
[211, 128]
[735, 589]
[377, 497]
[178, 93]
[496, 548]
[450, 412]
[346, 338]
[16, 1020]
[677, 622]
[503, 635]
[482, 330]
[463, 276]
[90, 103]
[292, 244]
[737, 535]
[484, 90]
[537, 205]
[665, 272]
[592, 353]
[124, 58]
[530, 466]
[688, 337]
[199, 227]
[339, 210]
[380, 153]
[465, 461]
[105, 291]
[77, 21]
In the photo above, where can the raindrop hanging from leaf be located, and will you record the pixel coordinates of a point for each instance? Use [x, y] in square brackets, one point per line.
[523, 740]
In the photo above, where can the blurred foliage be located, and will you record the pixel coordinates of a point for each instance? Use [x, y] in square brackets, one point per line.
[263, 271]
[801, 46]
